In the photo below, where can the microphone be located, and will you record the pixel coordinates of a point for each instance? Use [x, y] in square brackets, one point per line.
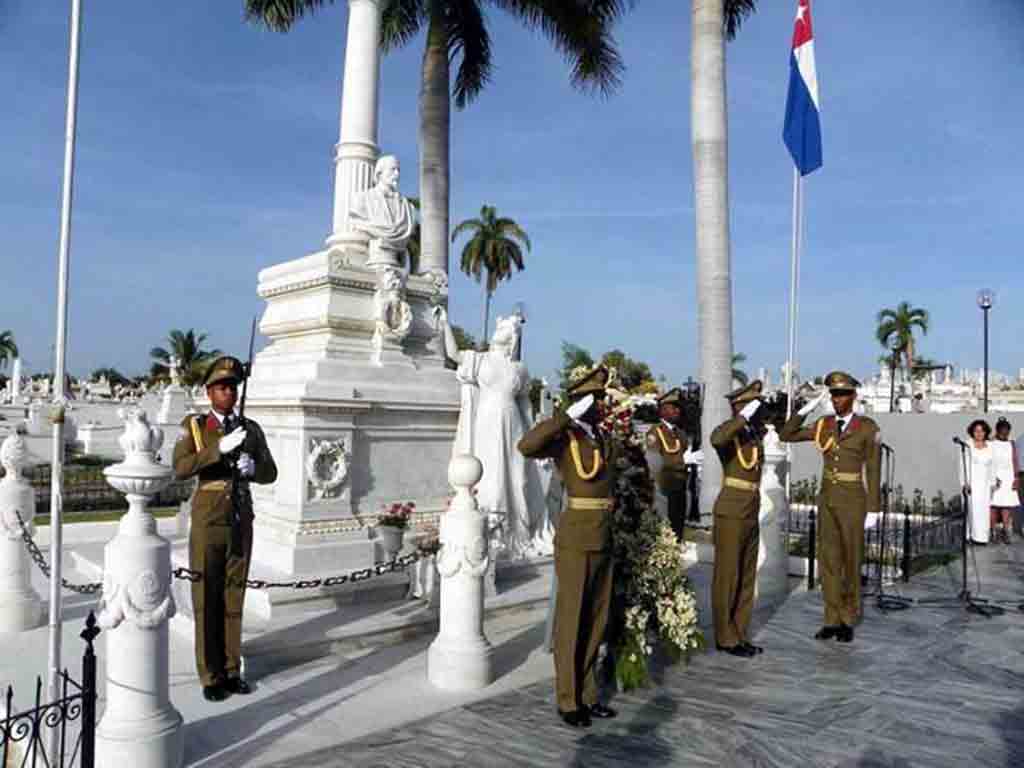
[959, 442]
[887, 447]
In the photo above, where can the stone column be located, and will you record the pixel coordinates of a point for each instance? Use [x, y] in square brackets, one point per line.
[16, 380]
[460, 656]
[21, 608]
[140, 726]
[357, 148]
[773, 555]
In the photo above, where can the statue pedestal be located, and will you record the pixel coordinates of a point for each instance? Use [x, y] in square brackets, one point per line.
[350, 430]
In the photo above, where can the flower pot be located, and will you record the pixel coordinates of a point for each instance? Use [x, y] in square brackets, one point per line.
[391, 539]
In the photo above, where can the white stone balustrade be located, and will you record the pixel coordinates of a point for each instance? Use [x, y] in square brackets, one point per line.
[773, 555]
[140, 726]
[21, 608]
[460, 658]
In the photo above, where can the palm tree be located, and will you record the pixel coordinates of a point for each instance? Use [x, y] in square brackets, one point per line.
[896, 331]
[496, 246]
[188, 348]
[738, 374]
[8, 348]
[579, 29]
[712, 23]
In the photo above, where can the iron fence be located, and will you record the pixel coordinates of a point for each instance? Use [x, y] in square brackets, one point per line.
[60, 733]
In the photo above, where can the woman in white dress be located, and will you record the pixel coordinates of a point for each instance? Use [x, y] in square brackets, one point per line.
[494, 416]
[1004, 499]
[980, 481]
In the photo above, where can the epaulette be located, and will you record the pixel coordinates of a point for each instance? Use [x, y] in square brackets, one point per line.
[197, 433]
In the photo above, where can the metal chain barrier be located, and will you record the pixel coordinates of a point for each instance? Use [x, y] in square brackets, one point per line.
[190, 575]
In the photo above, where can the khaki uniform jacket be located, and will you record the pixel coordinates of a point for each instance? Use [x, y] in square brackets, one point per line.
[197, 454]
[857, 452]
[738, 503]
[578, 529]
[671, 444]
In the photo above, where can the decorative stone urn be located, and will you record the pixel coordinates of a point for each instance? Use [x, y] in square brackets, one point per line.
[391, 539]
[140, 726]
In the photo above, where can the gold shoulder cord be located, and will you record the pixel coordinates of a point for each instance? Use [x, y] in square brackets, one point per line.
[197, 434]
[574, 448]
[678, 446]
[830, 443]
[739, 455]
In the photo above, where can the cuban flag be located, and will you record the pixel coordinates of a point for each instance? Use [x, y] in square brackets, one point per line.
[802, 130]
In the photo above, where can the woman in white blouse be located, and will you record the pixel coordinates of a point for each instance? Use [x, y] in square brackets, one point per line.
[979, 482]
[1006, 466]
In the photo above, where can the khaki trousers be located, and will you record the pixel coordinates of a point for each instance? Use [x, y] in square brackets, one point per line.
[840, 558]
[217, 600]
[734, 578]
[581, 616]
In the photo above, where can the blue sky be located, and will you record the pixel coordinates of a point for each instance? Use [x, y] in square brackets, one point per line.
[205, 150]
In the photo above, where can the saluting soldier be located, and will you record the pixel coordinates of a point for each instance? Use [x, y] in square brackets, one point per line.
[220, 542]
[583, 557]
[666, 446]
[736, 533]
[850, 448]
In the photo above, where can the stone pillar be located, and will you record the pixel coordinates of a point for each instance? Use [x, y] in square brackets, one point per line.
[20, 607]
[460, 657]
[15, 384]
[357, 148]
[140, 726]
[773, 555]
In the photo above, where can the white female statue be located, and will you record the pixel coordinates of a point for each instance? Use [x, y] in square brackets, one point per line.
[495, 414]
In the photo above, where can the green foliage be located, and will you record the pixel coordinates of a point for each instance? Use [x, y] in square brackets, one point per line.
[8, 347]
[495, 247]
[112, 375]
[573, 356]
[187, 346]
[631, 373]
[738, 374]
[463, 339]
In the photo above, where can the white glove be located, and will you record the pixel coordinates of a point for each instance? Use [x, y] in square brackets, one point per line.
[814, 403]
[246, 465]
[580, 407]
[228, 443]
[750, 409]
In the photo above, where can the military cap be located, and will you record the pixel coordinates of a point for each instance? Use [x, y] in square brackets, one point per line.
[745, 394]
[673, 397]
[838, 381]
[225, 368]
[593, 383]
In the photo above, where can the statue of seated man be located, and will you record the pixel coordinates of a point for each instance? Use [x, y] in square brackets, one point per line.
[384, 215]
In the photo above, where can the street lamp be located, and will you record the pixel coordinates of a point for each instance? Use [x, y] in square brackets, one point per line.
[986, 298]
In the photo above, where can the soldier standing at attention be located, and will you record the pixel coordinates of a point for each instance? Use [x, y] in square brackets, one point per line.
[666, 446]
[850, 448]
[736, 532]
[583, 557]
[212, 447]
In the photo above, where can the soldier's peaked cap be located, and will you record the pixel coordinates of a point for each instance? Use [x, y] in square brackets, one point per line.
[673, 397]
[225, 368]
[838, 381]
[592, 383]
[745, 394]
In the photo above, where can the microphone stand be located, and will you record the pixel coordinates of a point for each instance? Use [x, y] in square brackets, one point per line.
[971, 604]
[883, 601]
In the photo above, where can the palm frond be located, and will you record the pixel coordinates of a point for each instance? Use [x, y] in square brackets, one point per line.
[281, 15]
[401, 22]
[468, 38]
[736, 11]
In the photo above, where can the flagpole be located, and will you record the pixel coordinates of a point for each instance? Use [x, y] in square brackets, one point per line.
[794, 285]
[60, 366]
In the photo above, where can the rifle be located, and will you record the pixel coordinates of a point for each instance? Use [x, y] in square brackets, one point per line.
[241, 500]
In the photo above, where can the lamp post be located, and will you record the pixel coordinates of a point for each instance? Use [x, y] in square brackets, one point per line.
[986, 298]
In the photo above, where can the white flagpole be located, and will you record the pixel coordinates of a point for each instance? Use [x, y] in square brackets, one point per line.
[60, 367]
[794, 286]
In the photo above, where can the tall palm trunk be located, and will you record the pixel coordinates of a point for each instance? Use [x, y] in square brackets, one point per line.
[711, 202]
[487, 313]
[909, 354]
[435, 129]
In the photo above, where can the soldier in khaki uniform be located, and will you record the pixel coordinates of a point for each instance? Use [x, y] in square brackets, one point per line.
[220, 541]
[850, 448]
[736, 531]
[665, 445]
[583, 557]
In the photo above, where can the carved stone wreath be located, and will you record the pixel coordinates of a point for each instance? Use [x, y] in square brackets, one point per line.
[146, 602]
[327, 467]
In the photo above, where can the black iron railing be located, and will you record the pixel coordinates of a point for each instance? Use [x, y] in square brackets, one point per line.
[55, 734]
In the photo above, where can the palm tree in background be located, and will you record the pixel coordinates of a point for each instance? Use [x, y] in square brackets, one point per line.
[496, 246]
[187, 346]
[712, 23]
[896, 331]
[738, 374]
[8, 348]
[579, 29]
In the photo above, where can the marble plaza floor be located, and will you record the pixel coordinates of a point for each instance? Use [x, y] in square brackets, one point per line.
[930, 686]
